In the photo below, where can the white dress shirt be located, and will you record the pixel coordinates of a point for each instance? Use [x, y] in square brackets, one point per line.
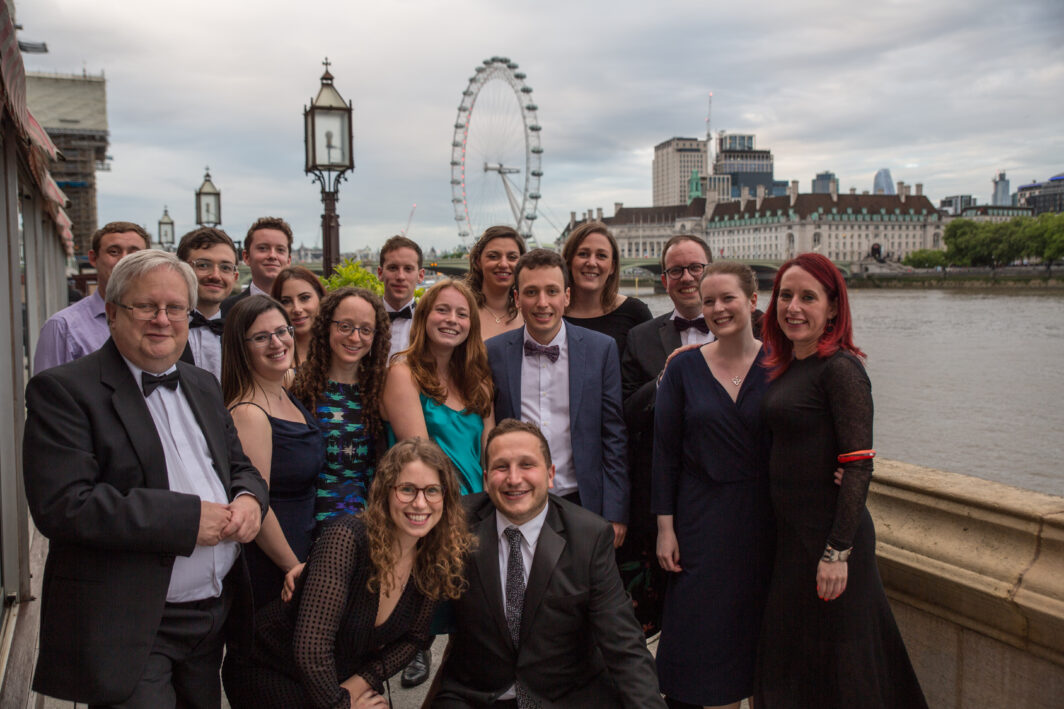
[189, 470]
[545, 402]
[255, 290]
[207, 348]
[400, 328]
[529, 539]
[692, 335]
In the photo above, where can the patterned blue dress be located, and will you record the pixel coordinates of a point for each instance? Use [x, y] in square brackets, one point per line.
[349, 454]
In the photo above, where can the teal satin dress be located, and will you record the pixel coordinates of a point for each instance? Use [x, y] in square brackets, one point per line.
[458, 433]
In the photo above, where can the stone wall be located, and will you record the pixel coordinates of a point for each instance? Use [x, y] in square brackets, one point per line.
[975, 573]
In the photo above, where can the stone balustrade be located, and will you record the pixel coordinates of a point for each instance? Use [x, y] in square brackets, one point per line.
[975, 573]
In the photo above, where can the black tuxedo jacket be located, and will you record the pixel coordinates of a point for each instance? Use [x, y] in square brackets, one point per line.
[232, 300]
[580, 643]
[97, 487]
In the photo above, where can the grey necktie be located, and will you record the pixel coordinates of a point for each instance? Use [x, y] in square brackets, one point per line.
[515, 602]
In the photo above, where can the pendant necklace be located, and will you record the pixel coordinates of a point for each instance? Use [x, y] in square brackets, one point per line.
[737, 380]
[498, 319]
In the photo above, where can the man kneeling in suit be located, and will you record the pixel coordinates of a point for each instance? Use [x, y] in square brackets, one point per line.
[545, 621]
[134, 472]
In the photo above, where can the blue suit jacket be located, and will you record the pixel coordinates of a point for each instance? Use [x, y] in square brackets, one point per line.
[596, 422]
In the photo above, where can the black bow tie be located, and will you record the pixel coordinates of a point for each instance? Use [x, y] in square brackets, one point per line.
[215, 326]
[552, 353]
[406, 313]
[683, 323]
[148, 382]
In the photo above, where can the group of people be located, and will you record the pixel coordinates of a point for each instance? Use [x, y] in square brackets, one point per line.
[363, 472]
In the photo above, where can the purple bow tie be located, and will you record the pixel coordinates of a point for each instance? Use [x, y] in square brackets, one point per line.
[552, 353]
[683, 324]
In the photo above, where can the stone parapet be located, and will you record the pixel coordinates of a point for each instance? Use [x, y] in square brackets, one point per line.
[975, 572]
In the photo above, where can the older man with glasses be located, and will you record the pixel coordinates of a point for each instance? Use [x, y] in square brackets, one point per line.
[134, 472]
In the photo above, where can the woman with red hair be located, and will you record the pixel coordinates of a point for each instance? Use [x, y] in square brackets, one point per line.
[828, 637]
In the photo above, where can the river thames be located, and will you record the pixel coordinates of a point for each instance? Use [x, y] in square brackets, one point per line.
[970, 382]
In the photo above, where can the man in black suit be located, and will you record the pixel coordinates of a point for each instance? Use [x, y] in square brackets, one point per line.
[212, 255]
[134, 472]
[267, 252]
[545, 621]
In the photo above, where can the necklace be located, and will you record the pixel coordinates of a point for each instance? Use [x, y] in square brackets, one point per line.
[498, 318]
[737, 380]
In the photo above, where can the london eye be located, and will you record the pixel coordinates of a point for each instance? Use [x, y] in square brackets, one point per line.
[496, 154]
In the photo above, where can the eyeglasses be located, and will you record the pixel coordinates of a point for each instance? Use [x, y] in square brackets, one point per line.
[408, 493]
[203, 265]
[345, 328]
[149, 311]
[262, 339]
[676, 272]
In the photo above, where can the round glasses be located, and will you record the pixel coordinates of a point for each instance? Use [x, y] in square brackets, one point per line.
[345, 328]
[150, 311]
[695, 269]
[408, 493]
[203, 265]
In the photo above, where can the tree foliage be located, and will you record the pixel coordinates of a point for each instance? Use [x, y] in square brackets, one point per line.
[926, 258]
[970, 243]
[351, 273]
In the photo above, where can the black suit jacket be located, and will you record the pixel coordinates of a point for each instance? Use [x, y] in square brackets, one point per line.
[97, 487]
[580, 643]
[232, 300]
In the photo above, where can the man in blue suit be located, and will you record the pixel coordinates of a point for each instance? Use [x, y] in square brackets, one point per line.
[566, 380]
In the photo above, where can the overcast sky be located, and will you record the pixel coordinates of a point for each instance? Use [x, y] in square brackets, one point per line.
[943, 93]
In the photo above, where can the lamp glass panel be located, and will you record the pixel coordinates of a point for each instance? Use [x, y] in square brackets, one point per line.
[330, 139]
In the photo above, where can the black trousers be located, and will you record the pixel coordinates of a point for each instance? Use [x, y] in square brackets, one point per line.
[182, 670]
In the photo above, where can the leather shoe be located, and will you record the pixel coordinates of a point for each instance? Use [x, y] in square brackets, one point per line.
[418, 669]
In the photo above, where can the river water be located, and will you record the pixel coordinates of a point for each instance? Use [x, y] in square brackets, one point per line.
[970, 382]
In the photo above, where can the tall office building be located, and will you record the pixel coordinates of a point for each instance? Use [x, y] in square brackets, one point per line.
[748, 167]
[955, 204]
[673, 162]
[823, 181]
[883, 182]
[1001, 197]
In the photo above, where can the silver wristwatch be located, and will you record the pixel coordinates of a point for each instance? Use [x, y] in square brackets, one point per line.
[834, 554]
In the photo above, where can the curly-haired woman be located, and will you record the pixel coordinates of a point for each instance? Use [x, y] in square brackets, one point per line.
[440, 387]
[363, 604]
[341, 382]
[491, 278]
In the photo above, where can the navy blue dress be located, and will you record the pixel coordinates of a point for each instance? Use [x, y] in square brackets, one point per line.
[297, 461]
[711, 474]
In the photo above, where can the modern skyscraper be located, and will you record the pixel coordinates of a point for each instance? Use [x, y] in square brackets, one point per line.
[1001, 196]
[747, 166]
[883, 182]
[955, 204]
[823, 181]
[673, 162]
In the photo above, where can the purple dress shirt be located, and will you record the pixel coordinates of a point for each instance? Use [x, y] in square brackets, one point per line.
[73, 332]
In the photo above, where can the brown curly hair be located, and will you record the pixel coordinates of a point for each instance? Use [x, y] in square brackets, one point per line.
[469, 368]
[475, 277]
[438, 569]
[313, 375]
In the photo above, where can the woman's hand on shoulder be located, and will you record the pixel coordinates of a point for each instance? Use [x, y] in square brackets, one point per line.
[678, 350]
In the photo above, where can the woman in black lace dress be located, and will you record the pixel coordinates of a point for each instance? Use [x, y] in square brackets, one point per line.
[363, 603]
[828, 638]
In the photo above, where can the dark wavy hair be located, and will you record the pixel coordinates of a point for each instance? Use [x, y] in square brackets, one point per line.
[237, 379]
[572, 245]
[469, 368]
[438, 570]
[475, 277]
[840, 334]
[298, 272]
[313, 374]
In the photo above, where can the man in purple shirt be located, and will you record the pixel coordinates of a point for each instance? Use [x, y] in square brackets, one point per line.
[81, 328]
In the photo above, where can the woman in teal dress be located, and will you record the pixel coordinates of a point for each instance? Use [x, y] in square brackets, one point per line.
[440, 386]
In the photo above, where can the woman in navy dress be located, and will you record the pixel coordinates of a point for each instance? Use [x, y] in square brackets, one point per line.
[277, 434]
[710, 493]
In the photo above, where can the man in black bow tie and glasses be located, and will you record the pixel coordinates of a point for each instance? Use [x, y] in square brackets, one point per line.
[213, 258]
[134, 472]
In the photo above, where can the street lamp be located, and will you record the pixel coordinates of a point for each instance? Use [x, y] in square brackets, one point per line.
[166, 230]
[208, 202]
[327, 135]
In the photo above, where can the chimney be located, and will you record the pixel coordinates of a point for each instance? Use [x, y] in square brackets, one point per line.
[903, 191]
[833, 188]
[864, 191]
[901, 187]
[598, 214]
[760, 196]
[919, 189]
[617, 207]
[590, 215]
[711, 203]
[572, 219]
[853, 190]
[744, 197]
[792, 192]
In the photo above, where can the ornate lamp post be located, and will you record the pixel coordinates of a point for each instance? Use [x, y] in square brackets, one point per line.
[166, 230]
[208, 202]
[327, 126]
